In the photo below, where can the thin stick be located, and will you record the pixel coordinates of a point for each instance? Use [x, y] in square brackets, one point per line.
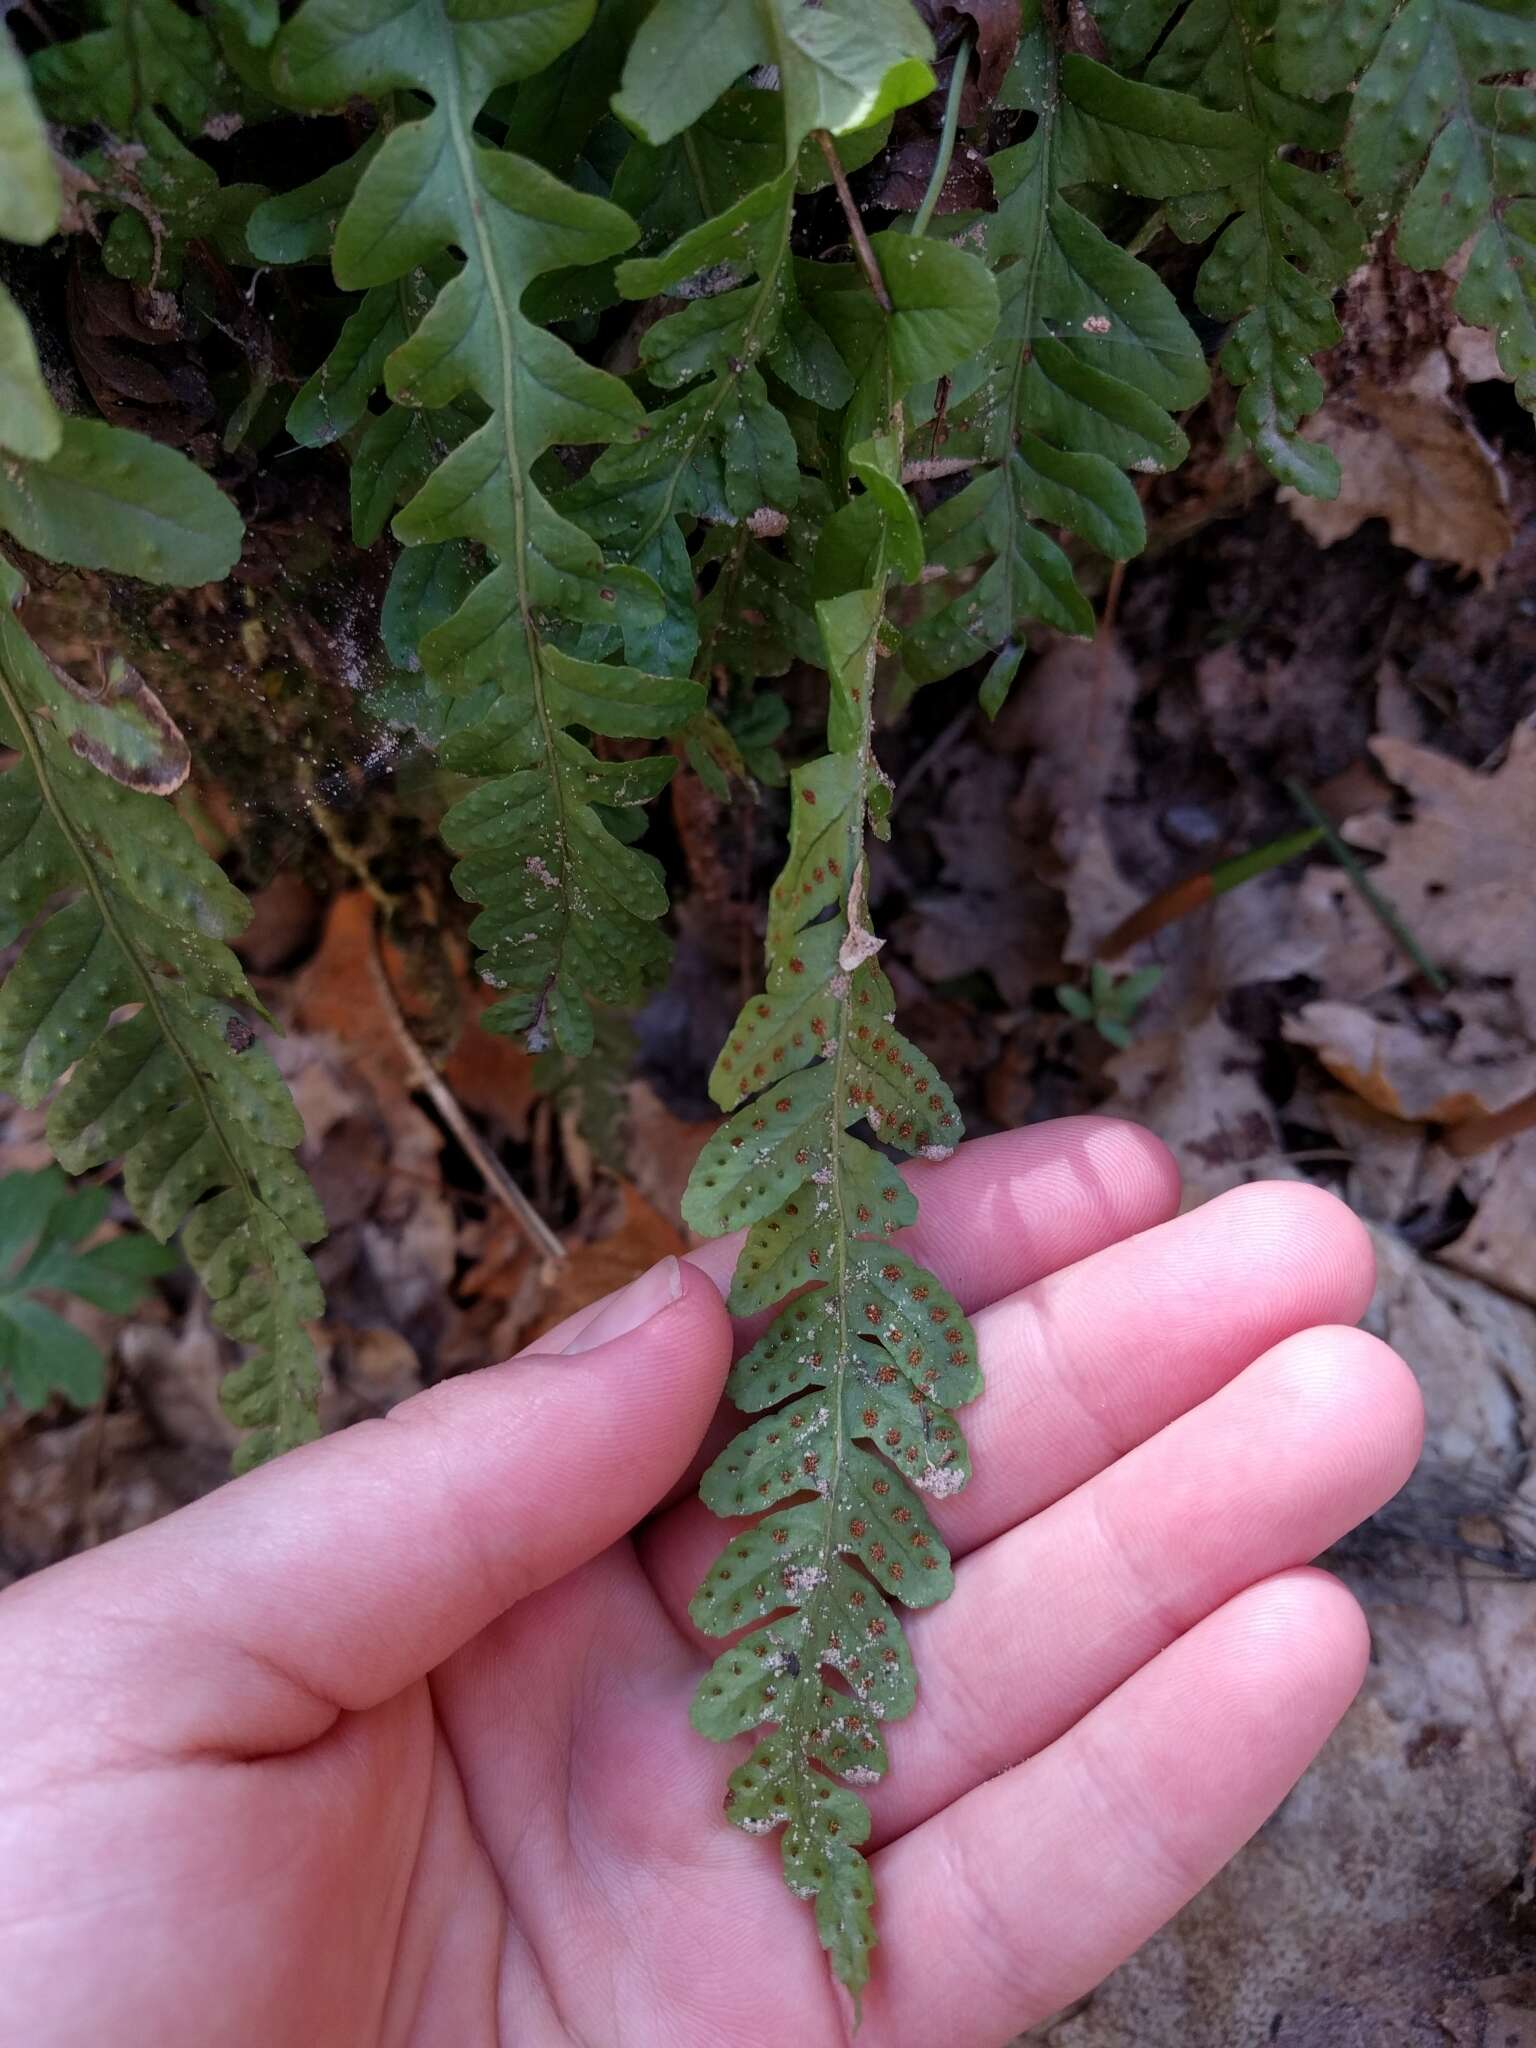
[947, 135]
[426, 1077]
[1374, 901]
[861, 247]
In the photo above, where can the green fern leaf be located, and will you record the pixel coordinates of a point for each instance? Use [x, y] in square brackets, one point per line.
[30, 426]
[1439, 136]
[725, 452]
[29, 212]
[874, 1353]
[862, 1368]
[43, 1225]
[435, 185]
[553, 114]
[575, 922]
[154, 76]
[1091, 358]
[1290, 236]
[179, 1089]
[29, 184]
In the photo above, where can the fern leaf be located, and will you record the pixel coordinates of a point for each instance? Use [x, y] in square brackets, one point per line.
[1440, 136]
[873, 1353]
[553, 114]
[108, 498]
[434, 186]
[1290, 236]
[841, 66]
[153, 76]
[29, 185]
[576, 923]
[725, 451]
[178, 1089]
[1091, 358]
[860, 1371]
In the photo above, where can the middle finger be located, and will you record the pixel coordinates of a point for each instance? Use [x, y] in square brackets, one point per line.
[1090, 1361]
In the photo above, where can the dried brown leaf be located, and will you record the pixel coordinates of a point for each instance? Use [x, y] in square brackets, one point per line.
[635, 1237]
[1417, 461]
[1456, 869]
[1499, 1244]
[1458, 1067]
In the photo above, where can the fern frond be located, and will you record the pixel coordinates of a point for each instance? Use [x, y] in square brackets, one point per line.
[874, 1354]
[725, 451]
[841, 66]
[435, 186]
[179, 1089]
[862, 1369]
[1440, 137]
[1091, 358]
[1290, 236]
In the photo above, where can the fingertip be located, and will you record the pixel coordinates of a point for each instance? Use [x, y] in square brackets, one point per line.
[1009, 1209]
[1152, 1182]
[1358, 1401]
[1296, 1652]
[1311, 1233]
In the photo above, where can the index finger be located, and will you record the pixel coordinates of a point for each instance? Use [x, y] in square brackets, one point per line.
[1004, 1210]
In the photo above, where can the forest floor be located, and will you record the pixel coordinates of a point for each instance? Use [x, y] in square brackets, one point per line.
[1264, 667]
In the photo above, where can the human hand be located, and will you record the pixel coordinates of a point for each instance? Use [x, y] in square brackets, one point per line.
[388, 1742]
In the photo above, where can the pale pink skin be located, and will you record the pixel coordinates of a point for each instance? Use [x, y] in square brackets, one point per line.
[389, 1742]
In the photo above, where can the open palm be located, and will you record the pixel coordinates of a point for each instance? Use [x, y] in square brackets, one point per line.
[388, 1743]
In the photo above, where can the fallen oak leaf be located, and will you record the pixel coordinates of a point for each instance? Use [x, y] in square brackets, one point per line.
[1413, 458]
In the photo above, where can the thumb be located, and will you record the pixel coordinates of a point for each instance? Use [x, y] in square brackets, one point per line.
[334, 1577]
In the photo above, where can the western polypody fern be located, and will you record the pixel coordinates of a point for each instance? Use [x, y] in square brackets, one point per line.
[654, 181]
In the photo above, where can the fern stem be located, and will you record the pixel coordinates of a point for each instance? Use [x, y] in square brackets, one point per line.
[105, 909]
[947, 135]
[446, 1103]
[848, 1226]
